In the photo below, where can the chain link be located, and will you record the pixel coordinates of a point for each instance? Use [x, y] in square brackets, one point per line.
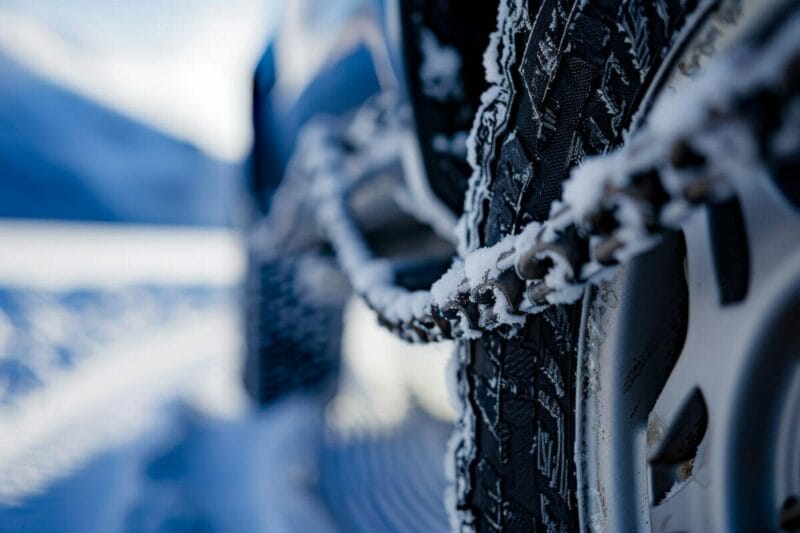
[613, 208]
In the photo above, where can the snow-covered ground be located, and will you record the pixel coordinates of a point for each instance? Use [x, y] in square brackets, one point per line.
[121, 407]
[120, 345]
[192, 472]
[102, 327]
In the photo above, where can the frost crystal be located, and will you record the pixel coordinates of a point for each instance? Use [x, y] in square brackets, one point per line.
[440, 68]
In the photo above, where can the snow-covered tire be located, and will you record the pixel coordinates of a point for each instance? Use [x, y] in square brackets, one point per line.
[293, 325]
[574, 76]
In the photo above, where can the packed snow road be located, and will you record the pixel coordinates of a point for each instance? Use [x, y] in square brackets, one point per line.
[102, 328]
[121, 406]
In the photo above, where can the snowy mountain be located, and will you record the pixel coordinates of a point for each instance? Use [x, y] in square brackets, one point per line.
[65, 157]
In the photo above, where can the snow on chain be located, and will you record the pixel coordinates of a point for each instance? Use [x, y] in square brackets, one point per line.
[694, 142]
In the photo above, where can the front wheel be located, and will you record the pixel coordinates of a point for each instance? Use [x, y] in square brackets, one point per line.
[555, 434]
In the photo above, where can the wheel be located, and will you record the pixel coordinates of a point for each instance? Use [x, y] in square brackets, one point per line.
[688, 373]
[293, 313]
[569, 79]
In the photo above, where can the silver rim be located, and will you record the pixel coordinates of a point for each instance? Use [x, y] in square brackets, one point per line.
[734, 392]
[711, 443]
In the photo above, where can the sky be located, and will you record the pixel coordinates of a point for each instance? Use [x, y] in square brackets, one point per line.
[182, 66]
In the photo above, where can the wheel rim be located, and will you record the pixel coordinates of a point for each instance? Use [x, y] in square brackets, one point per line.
[700, 431]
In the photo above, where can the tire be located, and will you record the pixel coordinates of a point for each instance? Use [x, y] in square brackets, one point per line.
[580, 74]
[293, 326]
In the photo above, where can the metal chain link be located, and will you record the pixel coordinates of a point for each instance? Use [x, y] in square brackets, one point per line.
[613, 208]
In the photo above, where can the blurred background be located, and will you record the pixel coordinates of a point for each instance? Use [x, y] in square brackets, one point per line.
[126, 134]
[123, 131]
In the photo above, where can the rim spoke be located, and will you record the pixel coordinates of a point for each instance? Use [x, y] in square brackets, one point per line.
[772, 224]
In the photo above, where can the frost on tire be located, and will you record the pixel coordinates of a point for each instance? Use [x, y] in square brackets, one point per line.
[565, 81]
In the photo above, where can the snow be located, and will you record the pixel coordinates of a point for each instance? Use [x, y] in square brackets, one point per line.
[595, 184]
[443, 289]
[108, 399]
[461, 446]
[481, 264]
[503, 312]
[251, 473]
[67, 157]
[730, 149]
[440, 67]
[121, 255]
[147, 428]
[182, 67]
[127, 320]
[491, 118]
[384, 377]
[329, 176]
[455, 145]
[583, 191]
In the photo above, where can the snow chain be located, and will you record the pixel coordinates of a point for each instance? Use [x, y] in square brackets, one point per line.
[743, 116]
